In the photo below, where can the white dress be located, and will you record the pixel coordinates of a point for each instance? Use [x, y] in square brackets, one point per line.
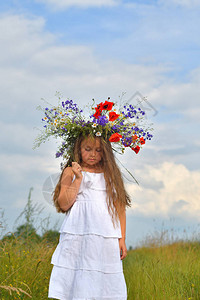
[87, 264]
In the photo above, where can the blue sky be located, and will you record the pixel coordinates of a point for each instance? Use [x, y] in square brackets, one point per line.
[100, 49]
[132, 31]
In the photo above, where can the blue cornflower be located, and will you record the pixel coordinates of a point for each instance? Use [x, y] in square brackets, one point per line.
[102, 120]
[58, 154]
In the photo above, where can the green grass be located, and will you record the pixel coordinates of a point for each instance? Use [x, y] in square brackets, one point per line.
[165, 272]
[25, 266]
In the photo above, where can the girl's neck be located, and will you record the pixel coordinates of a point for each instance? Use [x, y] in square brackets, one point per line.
[91, 169]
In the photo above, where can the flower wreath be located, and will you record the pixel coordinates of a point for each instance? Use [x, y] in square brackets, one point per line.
[124, 127]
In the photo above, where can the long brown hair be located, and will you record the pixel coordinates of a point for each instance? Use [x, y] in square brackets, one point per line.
[117, 197]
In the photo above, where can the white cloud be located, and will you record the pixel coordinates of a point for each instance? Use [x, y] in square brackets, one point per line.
[167, 190]
[184, 3]
[180, 98]
[17, 168]
[37, 66]
[20, 38]
[79, 3]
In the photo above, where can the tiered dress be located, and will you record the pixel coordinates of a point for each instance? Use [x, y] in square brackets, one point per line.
[87, 264]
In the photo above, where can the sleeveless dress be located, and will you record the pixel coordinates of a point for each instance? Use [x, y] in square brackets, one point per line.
[86, 262]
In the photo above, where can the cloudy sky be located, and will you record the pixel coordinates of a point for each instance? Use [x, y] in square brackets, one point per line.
[98, 49]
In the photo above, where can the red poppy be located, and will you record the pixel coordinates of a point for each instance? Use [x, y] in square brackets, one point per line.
[113, 116]
[115, 137]
[107, 105]
[97, 113]
[99, 106]
[142, 141]
[136, 149]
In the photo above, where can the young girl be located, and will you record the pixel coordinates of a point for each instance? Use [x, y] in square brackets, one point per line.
[88, 259]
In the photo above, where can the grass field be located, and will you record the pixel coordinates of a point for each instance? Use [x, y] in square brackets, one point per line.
[165, 272]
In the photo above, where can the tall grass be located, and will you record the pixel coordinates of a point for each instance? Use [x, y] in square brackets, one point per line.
[166, 272]
[25, 269]
[170, 271]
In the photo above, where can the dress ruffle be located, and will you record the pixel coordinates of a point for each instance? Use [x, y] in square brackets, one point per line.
[73, 284]
[90, 217]
[88, 252]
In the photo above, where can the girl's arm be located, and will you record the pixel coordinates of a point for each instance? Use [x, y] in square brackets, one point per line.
[122, 218]
[122, 245]
[69, 189]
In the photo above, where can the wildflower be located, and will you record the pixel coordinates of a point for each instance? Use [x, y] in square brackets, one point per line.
[127, 141]
[102, 120]
[98, 133]
[115, 137]
[99, 106]
[142, 141]
[113, 116]
[107, 105]
[134, 138]
[136, 149]
[97, 113]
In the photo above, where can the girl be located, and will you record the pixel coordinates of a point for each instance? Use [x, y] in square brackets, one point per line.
[88, 259]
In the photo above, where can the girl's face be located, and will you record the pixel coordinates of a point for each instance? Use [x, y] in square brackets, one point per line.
[91, 152]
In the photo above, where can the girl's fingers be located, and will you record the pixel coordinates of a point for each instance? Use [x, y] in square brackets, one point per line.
[75, 164]
[123, 253]
[76, 168]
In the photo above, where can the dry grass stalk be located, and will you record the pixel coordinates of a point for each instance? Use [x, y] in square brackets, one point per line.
[14, 289]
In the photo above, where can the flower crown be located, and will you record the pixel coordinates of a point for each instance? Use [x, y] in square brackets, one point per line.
[123, 127]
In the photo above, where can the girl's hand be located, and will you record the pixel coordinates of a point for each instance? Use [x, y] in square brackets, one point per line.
[76, 168]
[122, 248]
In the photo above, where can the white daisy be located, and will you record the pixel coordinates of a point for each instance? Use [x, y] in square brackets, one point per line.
[98, 133]
[94, 125]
